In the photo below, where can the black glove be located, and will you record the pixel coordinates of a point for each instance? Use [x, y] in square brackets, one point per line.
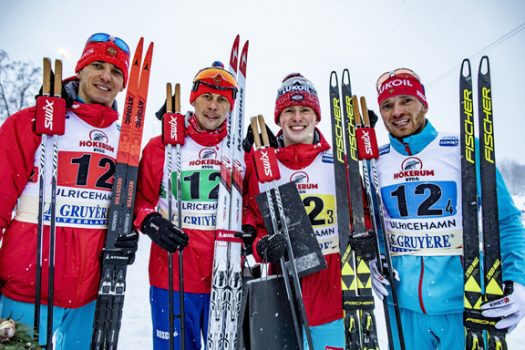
[372, 116]
[129, 244]
[247, 143]
[162, 110]
[272, 248]
[164, 233]
[364, 244]
[248, 235]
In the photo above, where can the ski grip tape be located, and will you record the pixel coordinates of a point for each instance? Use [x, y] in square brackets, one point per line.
[173, 129]
[50, 115]
[366, 143]
[266, 166]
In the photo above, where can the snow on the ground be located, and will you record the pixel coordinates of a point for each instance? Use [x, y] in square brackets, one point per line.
[136, 330]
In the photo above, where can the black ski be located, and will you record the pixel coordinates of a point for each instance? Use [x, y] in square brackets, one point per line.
[475, 295]
[110, 301]
[358, 301]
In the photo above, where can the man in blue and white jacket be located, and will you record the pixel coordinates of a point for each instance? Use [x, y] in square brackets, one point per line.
[420, 182]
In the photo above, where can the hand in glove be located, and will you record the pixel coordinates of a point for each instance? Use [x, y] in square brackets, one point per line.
[129, 244]
[379, 281]
[247, 143]
[511, 308]
[164, 233]
[247, 235]
[272, 248]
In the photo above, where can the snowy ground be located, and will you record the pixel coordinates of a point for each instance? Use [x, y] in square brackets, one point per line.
[136, 323]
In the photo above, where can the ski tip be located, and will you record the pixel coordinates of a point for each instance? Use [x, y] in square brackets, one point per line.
[346, 77]
[465, 68]
[234, 54]
[137, 57]
[333, 79]
[244, 58]
[484, 67]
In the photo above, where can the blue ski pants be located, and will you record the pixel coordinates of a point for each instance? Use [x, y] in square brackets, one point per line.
[330, 334]
[429, 332]
[72, 328]
[196, 310]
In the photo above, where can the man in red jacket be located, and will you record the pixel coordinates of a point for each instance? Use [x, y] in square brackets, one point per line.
[213, 96]
[304, 151]
[84, 183]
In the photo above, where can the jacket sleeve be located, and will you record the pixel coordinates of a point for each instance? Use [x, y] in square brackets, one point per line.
[512, 235]
[18, 145]
[151, 169]
[251, 214]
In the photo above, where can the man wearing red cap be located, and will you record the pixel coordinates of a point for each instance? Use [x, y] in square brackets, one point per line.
[86, 159]
[213, 97]
[303, 149]
[426, 235]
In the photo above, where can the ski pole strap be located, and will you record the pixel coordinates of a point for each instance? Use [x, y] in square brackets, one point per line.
[366, 136]
[264, 157]
[172, 123]
[227, 236]
[51, 110]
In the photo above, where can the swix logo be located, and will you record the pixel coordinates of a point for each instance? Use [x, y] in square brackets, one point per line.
[48, 113]
[173, 128]
[394, 83]
[365, 136]
[412, 167]
[302, 181]
[207, 156]
[97, 139]
[267, 166]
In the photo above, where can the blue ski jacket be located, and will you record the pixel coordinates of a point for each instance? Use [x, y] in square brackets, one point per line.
[434, 284]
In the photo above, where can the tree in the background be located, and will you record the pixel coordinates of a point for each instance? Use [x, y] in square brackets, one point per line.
[19, 83]
[513, 172]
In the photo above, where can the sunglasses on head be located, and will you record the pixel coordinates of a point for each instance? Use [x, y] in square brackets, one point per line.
[104, 38]
[216, 74]
[400, 71]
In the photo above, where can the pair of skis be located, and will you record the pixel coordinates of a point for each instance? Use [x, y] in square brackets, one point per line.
[173, 135]
[351, 142]
[226, 291]
[50, 123]
[480, 331]
[110, 300]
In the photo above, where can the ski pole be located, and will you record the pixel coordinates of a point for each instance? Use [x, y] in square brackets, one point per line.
[291, 259]
[173, 134]
[368, 147]
[50, 122]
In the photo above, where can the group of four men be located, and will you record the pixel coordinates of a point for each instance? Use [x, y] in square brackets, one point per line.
[430, 285]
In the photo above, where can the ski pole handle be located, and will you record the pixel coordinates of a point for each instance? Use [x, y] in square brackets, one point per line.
[255, 132]
[172, 123]
[169, 98]
[264, 132]
[177, 98]
[50, 118]
[57, 90]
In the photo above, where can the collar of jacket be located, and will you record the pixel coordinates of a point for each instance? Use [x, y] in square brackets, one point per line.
[205, 137]
[299, 156]
[415, 142]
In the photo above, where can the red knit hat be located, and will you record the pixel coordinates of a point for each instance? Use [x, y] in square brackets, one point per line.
[296, 90]
[215, 80]
[106, 48]
[401, 84]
